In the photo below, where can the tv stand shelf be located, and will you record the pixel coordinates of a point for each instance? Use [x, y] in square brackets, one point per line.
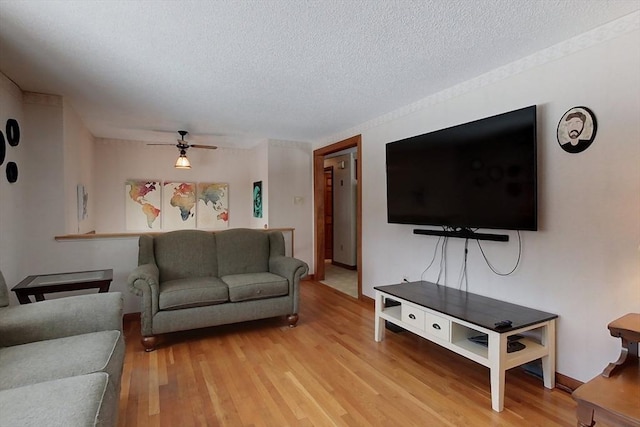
[448, 317]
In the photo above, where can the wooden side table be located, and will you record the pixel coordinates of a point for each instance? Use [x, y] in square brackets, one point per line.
[614, 396]
[628, 328]
[40, 284]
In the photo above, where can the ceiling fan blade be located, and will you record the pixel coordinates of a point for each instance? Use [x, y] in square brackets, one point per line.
[210, 147]
[154, 143]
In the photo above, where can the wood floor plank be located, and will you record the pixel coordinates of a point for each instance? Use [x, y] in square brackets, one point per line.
[328, 371]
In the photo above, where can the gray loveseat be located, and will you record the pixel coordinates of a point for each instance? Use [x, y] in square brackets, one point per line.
[192, 279]
[61, 361]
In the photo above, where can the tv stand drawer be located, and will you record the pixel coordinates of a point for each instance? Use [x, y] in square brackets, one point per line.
[437, 326]
[426, 321]
[413, 316]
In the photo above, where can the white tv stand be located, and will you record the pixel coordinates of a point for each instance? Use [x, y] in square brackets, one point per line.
[448, 317]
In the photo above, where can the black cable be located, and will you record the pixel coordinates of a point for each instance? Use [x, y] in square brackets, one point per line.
[443, 260]
[463, 268]
[491, 266]
[435, 252]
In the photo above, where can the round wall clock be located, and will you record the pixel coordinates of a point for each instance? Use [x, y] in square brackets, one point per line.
[13, 132]
[12, 172]
[577, 130]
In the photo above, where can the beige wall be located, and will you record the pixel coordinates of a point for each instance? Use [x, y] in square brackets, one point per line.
[12, 196]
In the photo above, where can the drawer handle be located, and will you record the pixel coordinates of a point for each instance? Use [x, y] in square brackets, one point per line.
[412, 316]
[436, 326]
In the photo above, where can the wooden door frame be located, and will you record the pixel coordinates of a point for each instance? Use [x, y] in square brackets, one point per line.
[318, 198]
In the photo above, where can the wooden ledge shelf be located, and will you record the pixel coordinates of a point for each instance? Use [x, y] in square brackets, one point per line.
[93, 235]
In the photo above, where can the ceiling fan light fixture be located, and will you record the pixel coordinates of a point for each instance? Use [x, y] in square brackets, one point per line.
[183, 161]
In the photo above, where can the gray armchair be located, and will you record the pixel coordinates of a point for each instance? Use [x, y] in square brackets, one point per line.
[61, 360]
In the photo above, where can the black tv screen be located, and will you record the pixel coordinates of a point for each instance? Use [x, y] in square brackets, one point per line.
[480, 174]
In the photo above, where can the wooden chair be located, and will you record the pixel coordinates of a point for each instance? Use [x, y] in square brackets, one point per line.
[614, 396]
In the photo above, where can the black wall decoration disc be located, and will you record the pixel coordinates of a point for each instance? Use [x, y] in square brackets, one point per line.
[13, 132]
[3, 148]
[12, 172]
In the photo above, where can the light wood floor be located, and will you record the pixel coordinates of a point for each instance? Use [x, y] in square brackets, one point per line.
[327, 371]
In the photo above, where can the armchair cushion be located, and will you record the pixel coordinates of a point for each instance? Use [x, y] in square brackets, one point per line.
[63, 357]
[195, 292]
[245, 287]
[73, 401]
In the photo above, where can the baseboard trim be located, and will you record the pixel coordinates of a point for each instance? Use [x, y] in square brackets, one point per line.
[348, 267]
[566, 383]
[368, 300]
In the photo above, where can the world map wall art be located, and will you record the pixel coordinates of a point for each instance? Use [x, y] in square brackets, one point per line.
[168, 205]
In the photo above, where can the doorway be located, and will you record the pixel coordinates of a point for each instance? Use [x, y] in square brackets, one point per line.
[328, 213]
[321, 206]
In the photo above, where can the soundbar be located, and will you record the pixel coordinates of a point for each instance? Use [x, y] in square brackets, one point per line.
[464, 233]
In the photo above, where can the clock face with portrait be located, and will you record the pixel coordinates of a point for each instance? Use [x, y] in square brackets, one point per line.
[577, 130]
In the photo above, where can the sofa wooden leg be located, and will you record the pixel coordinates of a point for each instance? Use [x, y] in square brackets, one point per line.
[149, 343]
[292, 319]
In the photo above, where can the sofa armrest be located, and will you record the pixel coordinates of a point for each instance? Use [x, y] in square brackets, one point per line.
[60, 317]
[293, 270]
[289, 267]
[143, 279]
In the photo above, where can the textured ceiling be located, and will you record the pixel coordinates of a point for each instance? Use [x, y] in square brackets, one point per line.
[241, 71]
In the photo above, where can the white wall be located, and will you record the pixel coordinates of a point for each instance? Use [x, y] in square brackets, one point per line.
[43, 172]
[12, 195]
[78, 160]
[119, 160]
[583, 262]
[34, 209]
[290, 193]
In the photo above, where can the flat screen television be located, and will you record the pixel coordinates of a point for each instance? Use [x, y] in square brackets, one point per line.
[480, 174]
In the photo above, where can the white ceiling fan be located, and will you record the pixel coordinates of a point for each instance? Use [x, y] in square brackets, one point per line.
[183, 161]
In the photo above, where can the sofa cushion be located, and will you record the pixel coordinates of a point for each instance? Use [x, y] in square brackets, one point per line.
[241, 250]
[40, 361]
[245, 287]
[194, 292]
[73, 401]
[185, 253]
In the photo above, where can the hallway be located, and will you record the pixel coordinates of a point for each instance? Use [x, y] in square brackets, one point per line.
[341, 279]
